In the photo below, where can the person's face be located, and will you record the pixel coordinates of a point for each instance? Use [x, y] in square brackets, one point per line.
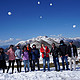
[42, 45]
[24, 48]
[1, 50]
[70, 43]
[11, 47]
[17, 47]
[28, 45]
[53, 45]
[34, 46]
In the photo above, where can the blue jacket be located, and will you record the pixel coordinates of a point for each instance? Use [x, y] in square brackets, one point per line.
[18, 54]
[35, 53]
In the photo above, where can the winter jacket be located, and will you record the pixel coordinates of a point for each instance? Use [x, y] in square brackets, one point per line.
[11, 54]
[54, 52]
[29, 51]
[2, 56]
[63, 49]
[43, 52]
[18, 54]
[35, 53]
[74, 51]
[25, 55]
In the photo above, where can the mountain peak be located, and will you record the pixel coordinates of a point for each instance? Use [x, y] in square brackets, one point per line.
[49, 40]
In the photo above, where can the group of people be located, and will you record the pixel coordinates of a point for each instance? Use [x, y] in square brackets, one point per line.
[30, 56]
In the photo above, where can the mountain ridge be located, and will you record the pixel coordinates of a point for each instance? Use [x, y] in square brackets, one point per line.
[49, 40]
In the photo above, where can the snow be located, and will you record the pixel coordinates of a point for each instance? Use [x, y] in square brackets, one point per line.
[40, 75]
[21, 42]
[48, 75]
[47, 39]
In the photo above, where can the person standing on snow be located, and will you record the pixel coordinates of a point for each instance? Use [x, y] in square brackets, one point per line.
[45, 55]
[55, 51]
[63, 54]
[2, 60]
[35, 57]
[72, 52]
[30, 55]
[25, 56]
[11, 53]
[18, 58]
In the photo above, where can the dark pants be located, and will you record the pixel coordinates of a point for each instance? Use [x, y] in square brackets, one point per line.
[33, 66]
[18, 65]
[30, 64]
[2, 65]
[64, 58]
[56, 63]
[11, 61]
[5, 64]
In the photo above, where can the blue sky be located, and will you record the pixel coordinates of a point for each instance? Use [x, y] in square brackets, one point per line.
[25, 22]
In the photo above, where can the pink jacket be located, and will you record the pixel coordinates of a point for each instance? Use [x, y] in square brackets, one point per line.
[11, 54]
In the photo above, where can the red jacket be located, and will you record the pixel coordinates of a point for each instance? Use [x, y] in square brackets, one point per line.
[47, 51]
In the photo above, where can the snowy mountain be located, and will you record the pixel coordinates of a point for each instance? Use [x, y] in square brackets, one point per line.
[49, 40]
[40, 39]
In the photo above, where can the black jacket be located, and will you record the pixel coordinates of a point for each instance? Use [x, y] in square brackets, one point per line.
[63, 49]
[74, 51]
[2, 56]
[54, 52]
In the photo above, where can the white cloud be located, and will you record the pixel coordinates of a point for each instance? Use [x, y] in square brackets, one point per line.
[9, 40]
[1, 41]
[53, 35]
[59, 35]
[18, 39]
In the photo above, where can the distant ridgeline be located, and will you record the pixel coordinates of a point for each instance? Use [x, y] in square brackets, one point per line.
[47, 41]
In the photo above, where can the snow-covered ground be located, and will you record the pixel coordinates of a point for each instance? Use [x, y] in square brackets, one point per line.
[40, 75]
